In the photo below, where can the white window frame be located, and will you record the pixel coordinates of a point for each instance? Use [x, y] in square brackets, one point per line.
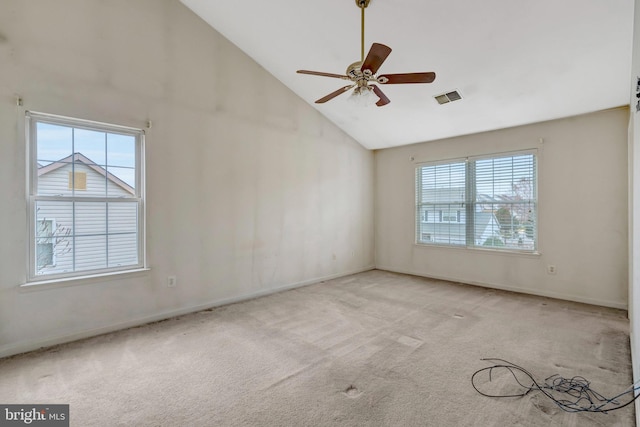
[31, 121]
[470, 204]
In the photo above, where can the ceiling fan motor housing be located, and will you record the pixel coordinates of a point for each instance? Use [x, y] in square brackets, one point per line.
[362, 77]
[353, 70]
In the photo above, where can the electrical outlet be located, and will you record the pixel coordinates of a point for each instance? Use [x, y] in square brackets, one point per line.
[551, 269]
[171, 281]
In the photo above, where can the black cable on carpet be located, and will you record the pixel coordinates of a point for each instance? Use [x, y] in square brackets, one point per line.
[571, 395]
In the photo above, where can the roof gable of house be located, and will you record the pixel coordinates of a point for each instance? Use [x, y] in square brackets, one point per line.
[81, 158]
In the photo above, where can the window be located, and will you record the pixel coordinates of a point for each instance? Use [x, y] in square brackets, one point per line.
[86, 197]
[488, 202]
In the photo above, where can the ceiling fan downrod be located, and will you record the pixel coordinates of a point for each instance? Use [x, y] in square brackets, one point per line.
[362, 4]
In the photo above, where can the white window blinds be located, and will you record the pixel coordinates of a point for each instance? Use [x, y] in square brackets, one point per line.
[488, 202]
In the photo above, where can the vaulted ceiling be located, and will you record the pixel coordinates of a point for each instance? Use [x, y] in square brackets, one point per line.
[513, 61]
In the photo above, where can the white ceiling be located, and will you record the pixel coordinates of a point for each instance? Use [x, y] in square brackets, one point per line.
[513, 61]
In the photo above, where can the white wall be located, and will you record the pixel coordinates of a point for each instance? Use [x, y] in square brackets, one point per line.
[634, 206]
[582, 166]
[249, 189]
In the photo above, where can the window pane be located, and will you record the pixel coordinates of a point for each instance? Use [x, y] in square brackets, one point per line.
[91, 252]
[54, 145]
[53, 237]
[44, 253]
[441, 198]
[122, 181]
[90, 218]
[121, 159]
[91, 145]
[123, 249]
[505, 187]
[502, 213]
[123, 217]
[53, 217]
[54, 142]
[121, 150]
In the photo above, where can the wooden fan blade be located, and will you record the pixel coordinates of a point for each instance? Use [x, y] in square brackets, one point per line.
[406, 78]
[318, 73]
[383, 98]
[376, 56]
[334, 94]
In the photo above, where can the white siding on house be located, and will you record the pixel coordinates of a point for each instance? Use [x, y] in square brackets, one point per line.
[120, 217]
[90, 218]
[122, 250]
[122, 239]
[90, 252]
[89, 235]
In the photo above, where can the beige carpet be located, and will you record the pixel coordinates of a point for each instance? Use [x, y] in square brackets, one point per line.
[373, 349]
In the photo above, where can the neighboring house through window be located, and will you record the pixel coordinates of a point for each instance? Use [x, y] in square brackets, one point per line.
[44, 243]
[86, 197]
[488, 202]
[450, 216]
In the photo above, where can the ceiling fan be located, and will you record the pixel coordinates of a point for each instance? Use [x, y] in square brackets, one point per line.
[362, 74]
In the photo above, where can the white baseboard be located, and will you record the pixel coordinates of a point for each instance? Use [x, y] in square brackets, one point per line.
[540, 293]
[30, 345]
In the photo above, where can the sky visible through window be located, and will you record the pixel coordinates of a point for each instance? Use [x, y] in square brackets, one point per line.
[112, 151]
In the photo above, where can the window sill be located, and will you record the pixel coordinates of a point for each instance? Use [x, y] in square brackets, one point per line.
[81, 280]
[534, 254]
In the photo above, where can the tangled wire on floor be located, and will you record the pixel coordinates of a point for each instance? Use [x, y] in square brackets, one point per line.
[571, 395]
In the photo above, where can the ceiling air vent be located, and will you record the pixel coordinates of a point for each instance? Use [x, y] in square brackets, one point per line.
[448, 97]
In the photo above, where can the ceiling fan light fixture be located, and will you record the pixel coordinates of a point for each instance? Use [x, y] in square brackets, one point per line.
[363, 96]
